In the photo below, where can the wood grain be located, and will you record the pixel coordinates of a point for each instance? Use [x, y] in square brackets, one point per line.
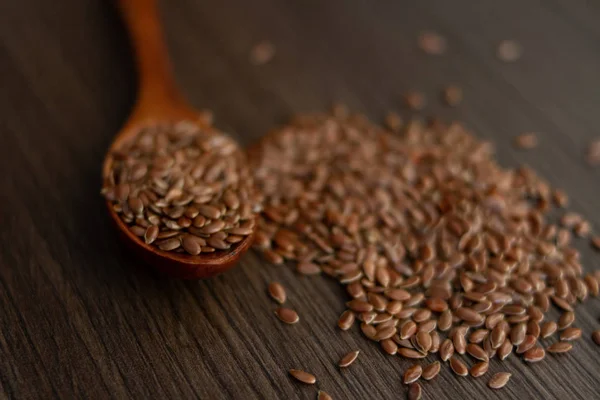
[80, 318]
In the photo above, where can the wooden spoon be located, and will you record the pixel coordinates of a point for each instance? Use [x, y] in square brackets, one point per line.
[159, 100]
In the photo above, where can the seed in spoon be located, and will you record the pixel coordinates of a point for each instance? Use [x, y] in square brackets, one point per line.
[303, 376]
[287, 315]
[277, 292]
[348, 359]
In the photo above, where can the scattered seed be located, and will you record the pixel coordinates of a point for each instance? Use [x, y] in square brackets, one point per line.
[346, 320]
[570, 334]
[477, 352]
[287, 315]
[452, 95]
[262, 53]
[596, 337]
[458, 367]
[410, 353]
[412, 374]
[548, 329]
[303, 376]
[593, 153]
[446, 350]
[415, 100]
[505, 349]
[277, 292]
[566, 320]
[534, 354]
[527, 344]
[323, 396]
[559, 347]
[431, 371]
[499, 380]
[348, 359]
[432, 43]
[526, 141]
[414, 391]
[479, 369]
[509, 51]
[389, 346]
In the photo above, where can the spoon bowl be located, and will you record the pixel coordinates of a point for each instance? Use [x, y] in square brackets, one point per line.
[159, 101]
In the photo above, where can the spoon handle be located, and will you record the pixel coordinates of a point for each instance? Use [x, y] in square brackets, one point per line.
[158, 95]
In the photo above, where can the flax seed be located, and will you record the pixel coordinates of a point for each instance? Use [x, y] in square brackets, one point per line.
[303, 376]
[277, 292]
[596, 337]
[458, 367]
[412, 374]
[348, 359]
[414, 391]
[431, 371]
[570, 334]
[559, 347]
[479, 369]
[287, 315]
[499, 380]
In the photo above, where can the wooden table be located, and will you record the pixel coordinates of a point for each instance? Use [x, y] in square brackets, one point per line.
[80, 318]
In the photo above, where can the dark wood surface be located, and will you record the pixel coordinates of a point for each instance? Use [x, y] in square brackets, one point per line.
[80, 318]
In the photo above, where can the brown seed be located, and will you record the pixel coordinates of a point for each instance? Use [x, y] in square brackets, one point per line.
[468, 315]
[410, 353]
[323, 396]
[477, 352]
[452, 95]
[479, 369]
[169, 244]
[460, 344]
[518, 333]
[415, 100]
[412, 374]
[432, 43]
[445, 321]
[509, 51]
[346, 320]
[596, 337]
[389, 346]
[559, 347]
[277, 292]
[422, 341]
[262, 53]
[446, 350]
[435, 342]
[566, 320]
[570, 334]
[408, 329]
[431, 371]
[458, 367]
[527, 344]
[393, 121]
[548, 329]
[534, 354]
[505, 349]
[526, 141]
[499, 380]
[359, 306]
[414, 391]
[593, 152]
[562, 303]
[596, 242]
[151, 234]
[348, 359]
[308, 268]
[478, 335]
[287, 315]
[303, 376]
